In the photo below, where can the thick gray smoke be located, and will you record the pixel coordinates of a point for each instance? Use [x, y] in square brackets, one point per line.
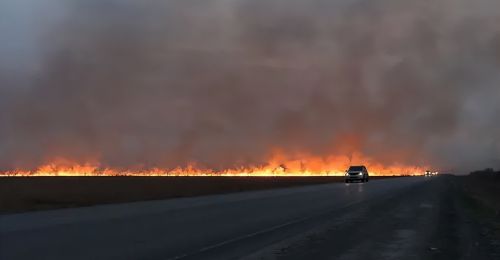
[225, 82]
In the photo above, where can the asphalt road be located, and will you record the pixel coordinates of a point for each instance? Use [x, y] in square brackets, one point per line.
[410, 218]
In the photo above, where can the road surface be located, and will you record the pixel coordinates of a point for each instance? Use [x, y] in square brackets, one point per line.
[410, 218]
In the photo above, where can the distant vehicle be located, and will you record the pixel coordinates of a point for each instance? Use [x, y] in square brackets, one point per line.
[431, 173]
[357, 173]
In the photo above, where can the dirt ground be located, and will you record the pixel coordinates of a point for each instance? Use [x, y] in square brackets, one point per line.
[18, 194]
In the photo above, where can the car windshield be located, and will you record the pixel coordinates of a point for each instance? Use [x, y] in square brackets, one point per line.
[356, 168]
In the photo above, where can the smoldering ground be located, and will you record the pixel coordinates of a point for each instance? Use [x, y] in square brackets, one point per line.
[223, 83]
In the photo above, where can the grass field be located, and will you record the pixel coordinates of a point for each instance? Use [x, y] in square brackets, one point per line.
[18, 194]
[481, 193]
[485, 188]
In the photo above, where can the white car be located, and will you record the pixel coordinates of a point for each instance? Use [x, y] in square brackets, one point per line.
[357, 173]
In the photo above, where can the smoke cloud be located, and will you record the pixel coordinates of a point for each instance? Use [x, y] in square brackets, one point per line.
[224, 83]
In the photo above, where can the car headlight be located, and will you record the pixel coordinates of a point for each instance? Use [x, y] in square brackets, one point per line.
[360, 173]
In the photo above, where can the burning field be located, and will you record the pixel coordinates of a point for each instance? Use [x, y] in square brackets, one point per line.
[247, 88]
[279, 166]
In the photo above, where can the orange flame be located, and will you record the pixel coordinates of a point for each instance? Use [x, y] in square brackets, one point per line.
[279, 165]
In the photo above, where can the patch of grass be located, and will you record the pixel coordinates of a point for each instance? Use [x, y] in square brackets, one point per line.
[18, 194]
[481, 195]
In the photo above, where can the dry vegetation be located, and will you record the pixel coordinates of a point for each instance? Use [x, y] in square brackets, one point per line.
[484, 186]
[19, 194]
[481, 192]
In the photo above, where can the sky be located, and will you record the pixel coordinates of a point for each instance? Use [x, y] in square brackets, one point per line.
[224, 83]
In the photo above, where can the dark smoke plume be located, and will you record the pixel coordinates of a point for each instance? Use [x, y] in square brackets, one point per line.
[223, 83]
